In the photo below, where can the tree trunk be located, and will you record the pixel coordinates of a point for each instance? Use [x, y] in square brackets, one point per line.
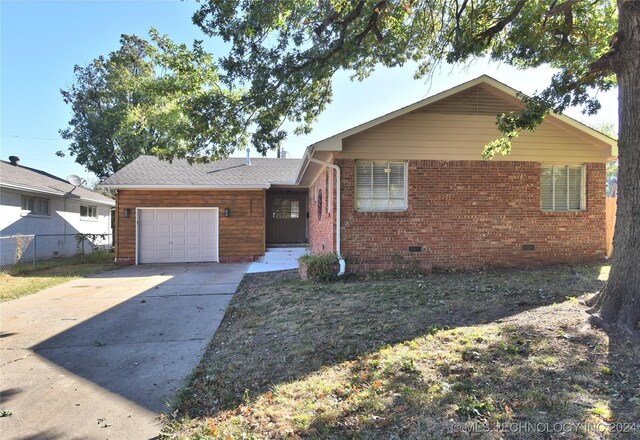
[617, 307]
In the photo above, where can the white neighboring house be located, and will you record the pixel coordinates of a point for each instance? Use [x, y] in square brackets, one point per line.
[34, 202]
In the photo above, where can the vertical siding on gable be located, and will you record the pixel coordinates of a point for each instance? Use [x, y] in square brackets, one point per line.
[477, 100]
[459, 126]
[439, 136]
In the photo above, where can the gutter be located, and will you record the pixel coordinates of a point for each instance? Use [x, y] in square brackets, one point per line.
[53, 192]
[186, 186]
[341, 262]
[32, 189]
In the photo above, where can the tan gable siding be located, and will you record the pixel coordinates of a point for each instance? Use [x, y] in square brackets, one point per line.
[477, 100]
[459, 126]
[436, 136]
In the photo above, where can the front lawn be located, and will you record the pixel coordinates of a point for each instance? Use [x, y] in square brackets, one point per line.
[505, 353]
[26, 279]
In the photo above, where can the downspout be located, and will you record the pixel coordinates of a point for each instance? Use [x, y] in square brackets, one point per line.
[341, 263]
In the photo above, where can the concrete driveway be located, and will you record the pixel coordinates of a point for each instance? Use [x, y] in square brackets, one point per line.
[101, 357]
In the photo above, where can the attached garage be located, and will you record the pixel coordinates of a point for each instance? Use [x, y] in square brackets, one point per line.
[179, 212]
[177, 235]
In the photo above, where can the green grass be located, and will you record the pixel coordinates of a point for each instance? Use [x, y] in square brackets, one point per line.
[408, 358]
[25, 279]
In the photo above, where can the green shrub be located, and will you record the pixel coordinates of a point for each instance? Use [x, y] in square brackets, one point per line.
[320, 268]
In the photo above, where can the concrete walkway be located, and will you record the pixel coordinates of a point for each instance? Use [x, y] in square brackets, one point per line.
[276, 259]
[101, 357]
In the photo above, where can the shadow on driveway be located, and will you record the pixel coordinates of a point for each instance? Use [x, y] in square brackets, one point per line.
[136, 333]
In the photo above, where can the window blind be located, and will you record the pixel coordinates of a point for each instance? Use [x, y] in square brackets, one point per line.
[562, 188]
[380, 186]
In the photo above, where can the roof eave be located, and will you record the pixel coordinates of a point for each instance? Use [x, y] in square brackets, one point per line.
[192, 187]
[53, 193]
[590, 131]
[566, 119]
[102, 202]
[31, 189]
[304, 164]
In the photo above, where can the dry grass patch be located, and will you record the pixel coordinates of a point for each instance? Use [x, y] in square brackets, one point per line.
[410, 358]
[25, 280]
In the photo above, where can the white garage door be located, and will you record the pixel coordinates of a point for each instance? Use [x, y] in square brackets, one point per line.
[177, 235]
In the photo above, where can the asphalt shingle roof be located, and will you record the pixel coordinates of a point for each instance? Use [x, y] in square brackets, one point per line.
[38, 180]
[151, 171]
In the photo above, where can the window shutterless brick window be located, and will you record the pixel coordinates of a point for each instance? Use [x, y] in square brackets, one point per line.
[88, 212]
[562, 188]
[36, 205]
[381, 186]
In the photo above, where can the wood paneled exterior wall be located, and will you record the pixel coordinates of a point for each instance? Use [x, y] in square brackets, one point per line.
[241, 235]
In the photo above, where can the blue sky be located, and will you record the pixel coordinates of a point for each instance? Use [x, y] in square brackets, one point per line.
[42, 41]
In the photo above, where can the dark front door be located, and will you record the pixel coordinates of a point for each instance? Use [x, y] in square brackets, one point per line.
[286, 218]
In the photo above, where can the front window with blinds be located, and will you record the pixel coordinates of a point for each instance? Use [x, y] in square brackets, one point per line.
[562, 188]
[381, 186]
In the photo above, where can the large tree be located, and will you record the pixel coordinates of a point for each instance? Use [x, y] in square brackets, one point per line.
[150, 97]
[285, 53]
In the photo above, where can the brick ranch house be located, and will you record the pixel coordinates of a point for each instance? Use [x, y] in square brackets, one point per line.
[408, 187]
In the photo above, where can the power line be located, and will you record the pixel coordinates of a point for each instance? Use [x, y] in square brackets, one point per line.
[32, 138]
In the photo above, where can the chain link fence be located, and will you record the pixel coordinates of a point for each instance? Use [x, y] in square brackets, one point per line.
[28, 249]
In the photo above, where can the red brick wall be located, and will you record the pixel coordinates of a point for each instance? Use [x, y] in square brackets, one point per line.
[473, 213]
[322, 230]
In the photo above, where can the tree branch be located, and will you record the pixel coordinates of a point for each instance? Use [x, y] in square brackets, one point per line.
[372, 24]
[607, 63]
[561, 8]
[487, 36]
[611, 61]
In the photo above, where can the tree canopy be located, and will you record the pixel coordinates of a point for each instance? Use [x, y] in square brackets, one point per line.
[157, 97]
[286, 52]
[150, 97]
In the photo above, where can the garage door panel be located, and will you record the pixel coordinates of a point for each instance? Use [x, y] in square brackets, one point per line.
[146, 215]
[150, 242]
[163, 253]
[162, 216]
[180, 216]
[146, 255]
[196, 241]
[177, 235]
[146, 242]
[208, 241]
[178, 228]
[194, 253]
[179, 242]
[179, 254]
[161, 228]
